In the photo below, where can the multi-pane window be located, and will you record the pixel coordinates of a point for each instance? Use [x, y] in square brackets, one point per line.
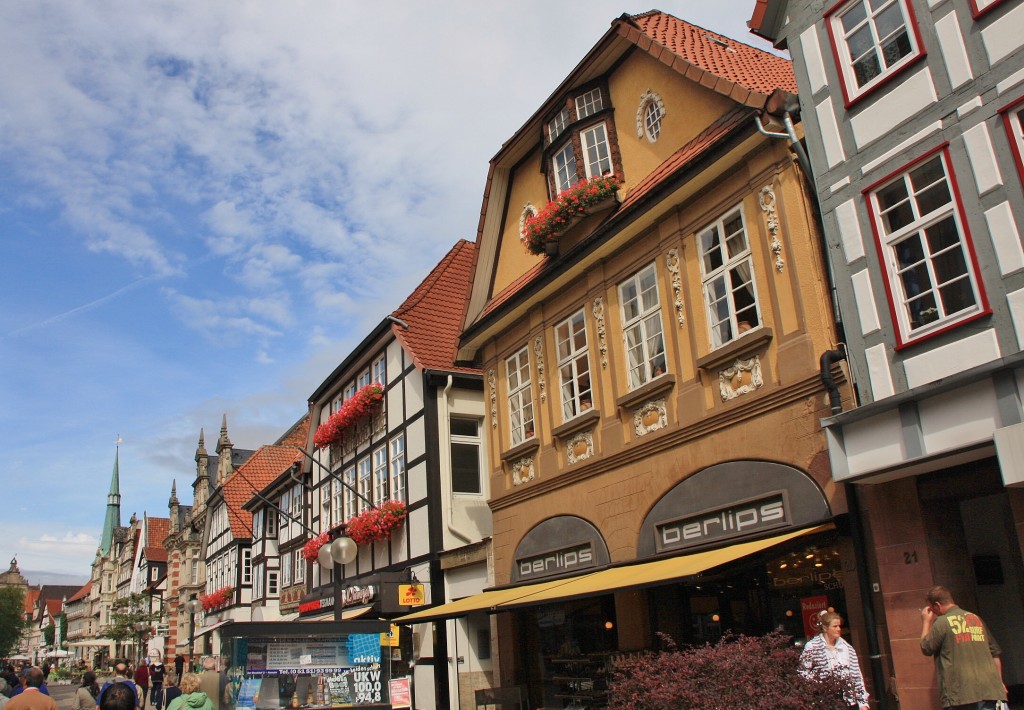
[1013, 119]
[573, 365]
[564, 163]
[257, 581]
[272, 583]
[520, 396]
[297, 498]
[380, 475]
[337, 502]
[300, 567]
[365, 483]
[286, 569]
[873, 40]
[465, 450]
[286, 506]
[246, 566]
[194, 572]
[257, 524]
[653, 114]
[380, 373]
[349, 477]
[271, 522]
[398, 479]
[364, 379]
[927, 258]
[588, 104]
[728, 278]
[642, 331]
[557, 124]
[595, 148]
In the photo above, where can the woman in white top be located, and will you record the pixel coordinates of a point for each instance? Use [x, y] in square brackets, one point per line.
[828, 653]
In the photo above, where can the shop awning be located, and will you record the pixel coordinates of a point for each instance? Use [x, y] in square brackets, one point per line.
[355, 612]
[212, 627]
[607, 580]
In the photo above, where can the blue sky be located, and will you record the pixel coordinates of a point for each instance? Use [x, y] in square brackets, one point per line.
[205, 206]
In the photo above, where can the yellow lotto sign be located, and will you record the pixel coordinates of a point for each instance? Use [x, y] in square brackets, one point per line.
[390, 638]
[411, 595]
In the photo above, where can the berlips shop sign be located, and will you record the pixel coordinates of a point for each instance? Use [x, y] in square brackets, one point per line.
[740, 519]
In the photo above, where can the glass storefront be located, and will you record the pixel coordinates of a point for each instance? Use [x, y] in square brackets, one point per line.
[273, 665]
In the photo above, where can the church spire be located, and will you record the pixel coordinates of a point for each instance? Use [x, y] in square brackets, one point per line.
[113, 519]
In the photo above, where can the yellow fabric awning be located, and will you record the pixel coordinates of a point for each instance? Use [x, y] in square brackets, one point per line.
[607, 580]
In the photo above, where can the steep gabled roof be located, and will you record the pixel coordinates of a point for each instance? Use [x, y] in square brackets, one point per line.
[259, 471]
[81, 593]
[156, 532]
[434, 312]
[155, 554]
[53, 608]
[746, 74]
[31, 597]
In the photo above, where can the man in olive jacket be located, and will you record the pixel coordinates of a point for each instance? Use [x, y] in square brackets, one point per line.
[966, 656]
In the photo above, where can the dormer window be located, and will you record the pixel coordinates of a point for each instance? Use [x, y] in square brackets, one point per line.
[580, 141]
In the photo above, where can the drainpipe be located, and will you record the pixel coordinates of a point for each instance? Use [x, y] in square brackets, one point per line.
[782, 105]
[450, 502]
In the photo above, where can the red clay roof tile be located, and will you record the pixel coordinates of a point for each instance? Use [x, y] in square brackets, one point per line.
[157, 531]
[434, 311]
[81, 593]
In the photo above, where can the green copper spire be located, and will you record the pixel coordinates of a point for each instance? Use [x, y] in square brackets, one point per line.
[113, 511]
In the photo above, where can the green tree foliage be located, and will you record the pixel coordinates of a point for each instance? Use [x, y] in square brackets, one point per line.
[48, 633]
[126, 614]
[12, 619]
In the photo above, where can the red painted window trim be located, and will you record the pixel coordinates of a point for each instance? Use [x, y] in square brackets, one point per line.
[978, 14]
[984, 309]
[853, 100]
[1011, 134]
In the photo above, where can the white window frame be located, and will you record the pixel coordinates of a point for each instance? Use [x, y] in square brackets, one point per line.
[397, 465]
[474, 441]
[1013, 121]
[364, 379]
[518, 378]
[597, 157]
[299, 574]
[380, 475]
[727, 274]
[351, 506]
[337, 502]
[257, 580]
[642, 323]
[902, 304]
[298, 497]
[652, 111]
[365, 478]
[272, 520]
[380, 371]
[257, 525]
[557, 125]
[841, 49]
[286, 569]
[246, 566]
[575, 377]
[273, 582]
[286, 507]
[563, 163]
[589, 103]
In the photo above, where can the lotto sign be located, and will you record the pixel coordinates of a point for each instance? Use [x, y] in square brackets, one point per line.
[390, 638]
[810, 607]
[411, 595]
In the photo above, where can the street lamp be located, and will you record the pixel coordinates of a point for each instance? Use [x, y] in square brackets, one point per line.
[193, 606]
[332, 556]
[142, 627]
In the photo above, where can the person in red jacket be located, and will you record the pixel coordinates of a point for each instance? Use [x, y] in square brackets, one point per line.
[142, 681]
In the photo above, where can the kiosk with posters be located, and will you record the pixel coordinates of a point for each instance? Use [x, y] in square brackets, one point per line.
[273, 665]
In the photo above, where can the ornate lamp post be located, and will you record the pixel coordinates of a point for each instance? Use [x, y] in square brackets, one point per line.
[332, 556]
[193, 606]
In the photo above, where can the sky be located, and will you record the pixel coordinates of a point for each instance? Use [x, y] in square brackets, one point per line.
[205, 206]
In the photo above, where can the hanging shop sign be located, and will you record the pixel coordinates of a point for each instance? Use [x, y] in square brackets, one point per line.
[731, 501]
[411, 595]
[579, 547]
[312, 605]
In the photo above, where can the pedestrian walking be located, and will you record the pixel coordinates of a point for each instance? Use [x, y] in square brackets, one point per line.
[828, 653]
[156, 683]
[142, 682]
[966, 656]
[120, 677]
[31, 698]
[85, 696]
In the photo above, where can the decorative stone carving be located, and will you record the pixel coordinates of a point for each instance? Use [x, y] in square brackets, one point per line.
[672, 263]
[598, 311]
[646, 98]
[528, 211]
[522, 471]
[538, 350]
[580, 447]
[767, 201]
[650, 416]
[744, 376]
[494, 399]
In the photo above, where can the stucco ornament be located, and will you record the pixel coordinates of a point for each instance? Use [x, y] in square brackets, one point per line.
[767, 201]
[744, 376]
[494, 399]
[672, 263]
[522, 471]
[646, 98]
[598, 311]
[650, 416]
[528, 211]
[538, 350]
[580, 447]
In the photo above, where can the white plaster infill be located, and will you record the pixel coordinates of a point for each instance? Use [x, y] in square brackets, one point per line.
[898, 103]
[951, 42]
[958, 356]
[1003, 38]
[902, 147]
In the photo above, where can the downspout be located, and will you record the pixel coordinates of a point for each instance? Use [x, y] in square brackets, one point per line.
[857, 535]
[450, 497]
